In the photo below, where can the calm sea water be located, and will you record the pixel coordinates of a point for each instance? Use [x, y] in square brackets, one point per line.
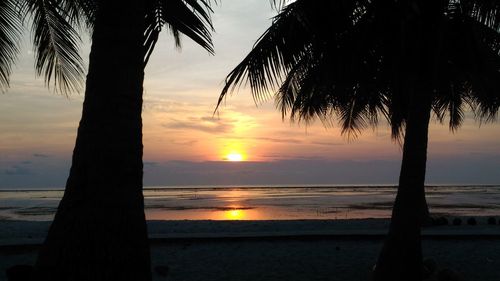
[268, 202]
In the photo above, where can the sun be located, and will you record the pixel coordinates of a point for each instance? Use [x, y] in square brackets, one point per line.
[234, 157]
[235, 214]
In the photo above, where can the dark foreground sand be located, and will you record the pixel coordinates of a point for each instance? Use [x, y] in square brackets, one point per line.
[232, 252]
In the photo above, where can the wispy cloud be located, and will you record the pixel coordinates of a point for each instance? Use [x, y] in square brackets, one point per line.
[267, 139]
[327, 143]
[16, 170]
[185, 143]
[204, 124]
[282, 157]
[40, 155]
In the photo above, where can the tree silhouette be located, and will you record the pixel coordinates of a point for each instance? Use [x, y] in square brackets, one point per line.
[356, 61]
[99, 231]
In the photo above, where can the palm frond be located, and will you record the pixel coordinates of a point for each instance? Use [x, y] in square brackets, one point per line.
[397, 115]
[451, 105]
[56, 46]
[319, 57]
[189, 17]
[312, 99]
[356, 61]
[154, 23]
[361, 110]
[486, 12]
[278, 4]
[290, 90]
[276, 52]
[9, 38]
[80, 12]
[474, 50]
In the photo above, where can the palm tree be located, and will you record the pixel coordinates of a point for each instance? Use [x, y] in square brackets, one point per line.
[359, 60]
[99, 231]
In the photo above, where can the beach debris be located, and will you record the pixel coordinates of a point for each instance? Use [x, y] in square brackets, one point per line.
[162, 270]
[434, 221]
[428, 221]
[492, 220]
[440, 221]
[472, 221]
[20, 272]
[457, 221]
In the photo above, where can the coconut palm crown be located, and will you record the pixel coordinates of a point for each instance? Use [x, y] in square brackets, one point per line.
[347, 58]
[55, 25]
[358, 60]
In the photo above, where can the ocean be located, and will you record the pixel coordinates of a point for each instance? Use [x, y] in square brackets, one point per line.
[269, 202]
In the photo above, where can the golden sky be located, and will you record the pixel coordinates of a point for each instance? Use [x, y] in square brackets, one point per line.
[184, 141]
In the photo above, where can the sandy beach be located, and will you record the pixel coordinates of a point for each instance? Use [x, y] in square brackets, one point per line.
[280, 250]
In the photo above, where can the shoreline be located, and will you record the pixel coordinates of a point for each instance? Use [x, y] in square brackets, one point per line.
[278, 186]
[269, 203]
[33, 232]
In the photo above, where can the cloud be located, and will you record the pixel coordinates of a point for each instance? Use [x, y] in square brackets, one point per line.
[204, 124]
[34, 172]
[463, 169]
[309, 170]
[267, 139]
[327, 143]
[161, 105]
[285, 171]
[281, 157]
[40, 155]
[16, 170]
[186, 143]
[280, 140]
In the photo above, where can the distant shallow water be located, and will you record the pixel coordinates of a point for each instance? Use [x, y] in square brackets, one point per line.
[269, 202]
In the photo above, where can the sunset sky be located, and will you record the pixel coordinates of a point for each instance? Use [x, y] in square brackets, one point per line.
[185, 144]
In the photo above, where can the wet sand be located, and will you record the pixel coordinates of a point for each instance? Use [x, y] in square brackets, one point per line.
[280, 250]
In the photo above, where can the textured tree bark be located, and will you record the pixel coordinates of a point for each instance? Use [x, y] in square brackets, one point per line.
[425, 213]
[401, 255]
[99, 231]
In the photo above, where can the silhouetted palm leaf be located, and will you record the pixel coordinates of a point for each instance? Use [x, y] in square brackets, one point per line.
[9, 37]
[313, 71]
[56, 40]
[276, 52]
[189, 17]
[344, 59]
[56, 45]
[80, 12]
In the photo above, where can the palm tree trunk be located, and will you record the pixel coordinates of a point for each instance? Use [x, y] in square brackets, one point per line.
[99, 231]
[401, 255]
[425, 214]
